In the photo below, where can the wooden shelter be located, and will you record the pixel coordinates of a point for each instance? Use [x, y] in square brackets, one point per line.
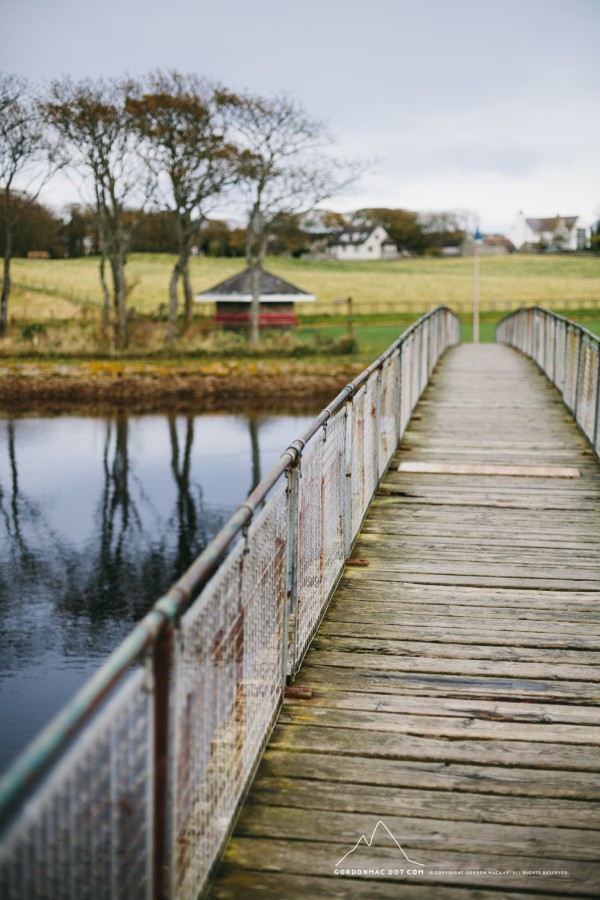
[234, 296]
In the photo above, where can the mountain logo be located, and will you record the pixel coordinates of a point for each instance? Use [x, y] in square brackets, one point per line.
[364, 840]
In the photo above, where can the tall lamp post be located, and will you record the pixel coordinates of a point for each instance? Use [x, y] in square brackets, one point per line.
[477, 241]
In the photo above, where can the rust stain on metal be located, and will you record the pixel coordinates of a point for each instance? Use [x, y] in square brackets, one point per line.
[424, 468]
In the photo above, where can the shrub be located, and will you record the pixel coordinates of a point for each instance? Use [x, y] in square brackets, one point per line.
[33, 331]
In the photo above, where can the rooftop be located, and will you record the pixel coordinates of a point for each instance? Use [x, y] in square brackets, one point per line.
[239, 289]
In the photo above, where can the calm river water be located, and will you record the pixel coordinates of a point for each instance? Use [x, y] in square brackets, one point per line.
[98, 515]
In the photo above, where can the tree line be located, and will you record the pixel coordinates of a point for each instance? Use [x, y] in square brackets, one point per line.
[74, 232]
[174, 144]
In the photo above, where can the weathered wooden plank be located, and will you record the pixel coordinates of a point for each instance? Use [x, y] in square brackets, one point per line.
[445, 468]
[443, 867]
[367, 640]
[438, 726]
[515, 639]
[486, 571]
[393, 608]
[495, 711]
[307, 793]
[351, 741]
[389, 573]
[446, 666]
[235, 883]
[427, 834]
[466, 595]
[496, 502]
[552, 556]
[432, 775]
[428, 684]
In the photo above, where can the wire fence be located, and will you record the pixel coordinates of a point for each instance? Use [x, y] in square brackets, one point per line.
[568, 354]
[133, 789]
[91, 302]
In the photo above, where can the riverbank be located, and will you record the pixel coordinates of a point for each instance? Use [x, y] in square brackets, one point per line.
[143, 386]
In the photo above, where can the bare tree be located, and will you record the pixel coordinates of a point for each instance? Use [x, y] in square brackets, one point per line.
[26, 156]
[284, 173]
[95, 127]
[183, 121]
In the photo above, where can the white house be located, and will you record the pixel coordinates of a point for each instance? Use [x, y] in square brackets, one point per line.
[364, 242]
[557, 233]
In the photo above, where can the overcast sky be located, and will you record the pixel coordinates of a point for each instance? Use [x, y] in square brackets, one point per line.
[486, 106]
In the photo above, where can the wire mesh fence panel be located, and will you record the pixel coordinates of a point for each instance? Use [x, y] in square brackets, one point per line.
[571, 363]
[369, 462]
[388, 410]
[228, 685]
[560, 355]
[587, 393]
[357, 479]
[320, 536]
[87, 831]
[424, 367]
[406, 384]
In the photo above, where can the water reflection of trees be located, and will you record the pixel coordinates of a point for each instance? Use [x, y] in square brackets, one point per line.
[136, 550]
[22, 526]
[139, 552]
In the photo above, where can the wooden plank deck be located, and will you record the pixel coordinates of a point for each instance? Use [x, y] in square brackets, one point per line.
[455, 681]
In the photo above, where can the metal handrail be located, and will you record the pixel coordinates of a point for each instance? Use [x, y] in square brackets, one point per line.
[267, 537]
[567, 353]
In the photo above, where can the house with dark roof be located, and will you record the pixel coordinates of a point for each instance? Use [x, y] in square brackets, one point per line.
[555, 233]
[363, 242]
[233, 296]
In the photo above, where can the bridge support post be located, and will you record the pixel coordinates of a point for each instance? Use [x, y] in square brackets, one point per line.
[162, 658]
[293, 476]
[399, 396]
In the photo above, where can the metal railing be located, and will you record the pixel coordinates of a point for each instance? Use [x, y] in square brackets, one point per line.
[568, 354]
[132, 790]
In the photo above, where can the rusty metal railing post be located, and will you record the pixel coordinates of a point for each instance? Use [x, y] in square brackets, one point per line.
[161, 670]
[290, 617]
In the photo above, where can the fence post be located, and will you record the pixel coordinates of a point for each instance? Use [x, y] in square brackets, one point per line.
[290, 607]
[161, 670]
[399, 395]
[348, 474]
[554, 328]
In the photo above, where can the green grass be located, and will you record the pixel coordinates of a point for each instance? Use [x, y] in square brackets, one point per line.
[388, 295]
[379, 287]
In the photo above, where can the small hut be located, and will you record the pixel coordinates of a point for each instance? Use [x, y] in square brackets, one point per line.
[234, 295]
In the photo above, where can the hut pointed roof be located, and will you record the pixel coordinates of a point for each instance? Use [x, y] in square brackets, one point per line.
[238, 289]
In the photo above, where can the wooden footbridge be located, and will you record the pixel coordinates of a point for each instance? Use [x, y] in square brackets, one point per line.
[439, 732]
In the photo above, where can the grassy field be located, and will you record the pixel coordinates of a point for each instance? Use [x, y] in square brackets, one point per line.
[59, 288]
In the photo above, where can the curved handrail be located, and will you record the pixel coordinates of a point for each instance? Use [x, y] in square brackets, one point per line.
[567, 353]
